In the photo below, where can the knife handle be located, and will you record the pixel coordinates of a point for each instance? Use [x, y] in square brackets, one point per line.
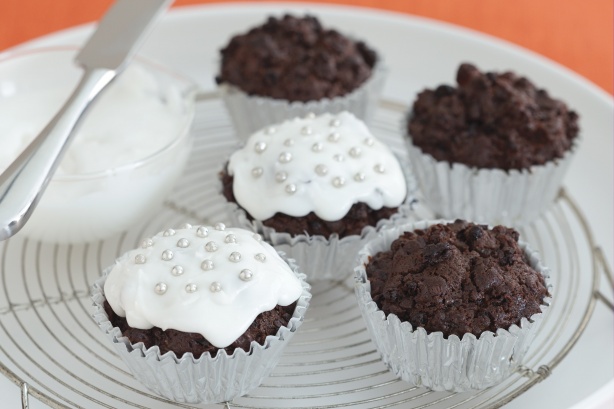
[22, 184]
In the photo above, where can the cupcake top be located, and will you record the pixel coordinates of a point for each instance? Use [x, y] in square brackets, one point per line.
[457, 278]
[295, 59]
[492, 120]
[213, 281]
[321, 164]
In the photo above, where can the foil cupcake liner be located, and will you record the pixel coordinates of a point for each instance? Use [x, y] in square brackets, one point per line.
[325, 258]
[491, 196]
[430, 360]
[206, 379]
[252, 113]
[321, 258]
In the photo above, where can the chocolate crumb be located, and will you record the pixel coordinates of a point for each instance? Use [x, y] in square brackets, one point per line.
[358, 217]
[265, 324]
[456, 278]
[492, 121]
[295, 59]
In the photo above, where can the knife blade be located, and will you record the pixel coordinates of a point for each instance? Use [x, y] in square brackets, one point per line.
[120, 33]
[117, 37]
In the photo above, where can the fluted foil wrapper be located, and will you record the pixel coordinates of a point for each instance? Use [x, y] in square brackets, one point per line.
[430, 360]
[206, 379]
[325, 258]
[491, 196]
[252, 113]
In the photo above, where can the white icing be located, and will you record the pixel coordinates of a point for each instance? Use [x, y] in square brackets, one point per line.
[322, 164]
[217, 292]
[135, 118]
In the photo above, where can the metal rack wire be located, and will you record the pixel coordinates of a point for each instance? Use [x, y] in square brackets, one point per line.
[55, 353]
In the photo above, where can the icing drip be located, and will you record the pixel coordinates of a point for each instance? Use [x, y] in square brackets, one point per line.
[322, 164]
[215, 293]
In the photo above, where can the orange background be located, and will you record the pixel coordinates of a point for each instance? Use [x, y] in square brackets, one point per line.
[576, 33]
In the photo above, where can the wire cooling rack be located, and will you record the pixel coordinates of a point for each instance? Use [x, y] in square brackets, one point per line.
[53, 350]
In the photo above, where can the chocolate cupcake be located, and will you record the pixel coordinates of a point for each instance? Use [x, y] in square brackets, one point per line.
[316, 186]
[201, 304]
[291, 66]
[493, 149]
[451, 306]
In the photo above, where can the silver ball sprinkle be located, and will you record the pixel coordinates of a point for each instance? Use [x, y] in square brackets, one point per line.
[289, 142]
[207, 265]
[147, 243]
[338, 181]
[359, 177]
[334, 137]
[260, 147]
[235, 257]
[167, 255]
[257, 172]
[310, 115]
[191, 288]
[220, 226]
[202, 231]
[257, 237]
[335, 122]
[285, 157]
[369, 141]
[160, 288]
[291, 189]
[230, 238]
[215, 287]
[260, 257]
[168, 232]
[306, 130]
[185, 226]
[339, 158]
[140, 259]
[321, 170]
[270, 130]
[183, 243]
[246, 275]
[281, 177]
[354, 152]
[317, 147]
[177, 271]
[211, 247]
[379, 168]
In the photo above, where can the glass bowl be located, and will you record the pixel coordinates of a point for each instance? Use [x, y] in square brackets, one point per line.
[126, 156]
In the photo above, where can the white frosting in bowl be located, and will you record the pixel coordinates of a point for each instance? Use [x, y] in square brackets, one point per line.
[124, 159]
[135, 118]
[209, 280]
[322, 164]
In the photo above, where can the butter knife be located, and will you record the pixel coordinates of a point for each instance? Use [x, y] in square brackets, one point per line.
[117, 37]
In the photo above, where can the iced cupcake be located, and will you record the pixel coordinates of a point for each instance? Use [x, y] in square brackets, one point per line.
[493, 149]
[316, 186]
[291, 66]
[451, 306]
[200, 304]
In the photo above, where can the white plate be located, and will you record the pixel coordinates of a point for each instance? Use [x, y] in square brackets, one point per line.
[423, 53]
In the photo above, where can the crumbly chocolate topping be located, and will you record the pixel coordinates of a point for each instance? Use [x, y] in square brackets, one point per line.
[267, 323]
[359, 216]
[295, 59]
[457, 278]
[492, 120]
